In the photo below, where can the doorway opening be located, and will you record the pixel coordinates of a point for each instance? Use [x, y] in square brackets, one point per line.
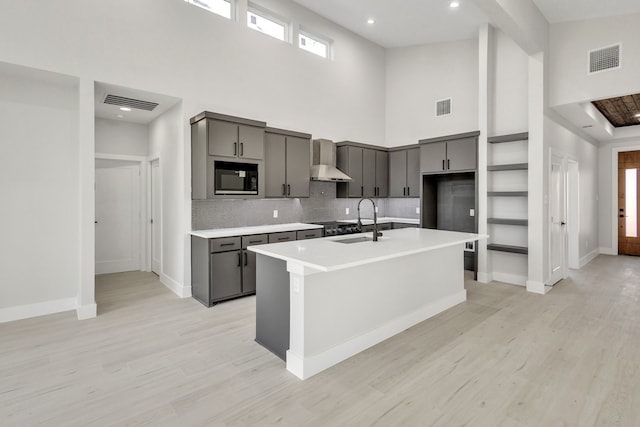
[628, 198]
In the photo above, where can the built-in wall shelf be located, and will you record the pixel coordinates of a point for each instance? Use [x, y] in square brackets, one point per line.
[507, 221]
[508, 193]
[508, 248]
[511, 167]
[524, 136]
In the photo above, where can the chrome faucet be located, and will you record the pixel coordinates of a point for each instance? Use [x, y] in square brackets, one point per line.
[376, 233]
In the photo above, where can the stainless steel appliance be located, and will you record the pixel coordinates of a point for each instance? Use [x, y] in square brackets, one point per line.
[336, 228]
[235, 178]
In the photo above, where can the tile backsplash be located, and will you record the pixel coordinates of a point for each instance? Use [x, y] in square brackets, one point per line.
[322, 205]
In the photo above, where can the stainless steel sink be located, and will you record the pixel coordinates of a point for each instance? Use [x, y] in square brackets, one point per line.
[355, 240]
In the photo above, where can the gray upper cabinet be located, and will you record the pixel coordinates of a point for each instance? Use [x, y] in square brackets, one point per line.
[230, 139]
[404, 173]
[449, 154]
[218, 137]
[287, 163]
[368, 168]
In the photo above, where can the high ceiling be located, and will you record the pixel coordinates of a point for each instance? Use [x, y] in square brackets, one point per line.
[415, 22]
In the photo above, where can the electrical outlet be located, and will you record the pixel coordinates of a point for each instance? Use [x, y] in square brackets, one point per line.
[275, 213]
[472, 212]
[346, 211]
[417, 210]
[376, 209]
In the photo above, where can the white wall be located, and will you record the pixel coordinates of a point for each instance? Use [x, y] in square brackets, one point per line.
[39, 257]
[418, 76]
[570, 43]
[118, 137]
[571, 146]
[166, 136]
[608, 219]
[171, 47]
[510, 86]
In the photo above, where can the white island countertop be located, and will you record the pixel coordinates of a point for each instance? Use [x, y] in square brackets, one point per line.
[328, 254]
[258, 229]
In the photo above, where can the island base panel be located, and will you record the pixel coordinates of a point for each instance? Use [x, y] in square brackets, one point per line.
[272, 305]
[335, 315]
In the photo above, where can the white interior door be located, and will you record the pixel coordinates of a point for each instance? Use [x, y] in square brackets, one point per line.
[117, 216]
[156, 220]
[557, 203]
[573, 214]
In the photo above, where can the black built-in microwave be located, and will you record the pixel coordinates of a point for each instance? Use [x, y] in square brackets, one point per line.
[235, 178]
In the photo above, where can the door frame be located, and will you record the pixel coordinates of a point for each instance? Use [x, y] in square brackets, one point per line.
[563, 169]
[573, 213]
[149, 160]
[143, 206]
[614, 193]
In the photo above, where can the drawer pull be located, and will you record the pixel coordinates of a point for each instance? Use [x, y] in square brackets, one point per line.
[226, 244]
[282, 238]
[255, 241]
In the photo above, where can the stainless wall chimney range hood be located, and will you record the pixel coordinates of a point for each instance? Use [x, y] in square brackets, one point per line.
[323, 162]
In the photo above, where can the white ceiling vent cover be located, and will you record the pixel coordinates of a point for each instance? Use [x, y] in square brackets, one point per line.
[443, 107]
[603, 59]
[122, 101]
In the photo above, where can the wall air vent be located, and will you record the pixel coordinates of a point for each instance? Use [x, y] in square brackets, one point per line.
[121, 101]
[603, 59]
[443, 107]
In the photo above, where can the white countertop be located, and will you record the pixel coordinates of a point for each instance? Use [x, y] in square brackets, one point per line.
[327, 254]
[247, 231]
[383, 220]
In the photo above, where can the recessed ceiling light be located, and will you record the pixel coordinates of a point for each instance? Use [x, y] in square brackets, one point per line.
[125, 109]
[454, 4]
[371, 21]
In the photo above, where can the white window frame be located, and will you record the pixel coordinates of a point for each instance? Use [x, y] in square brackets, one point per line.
[270, 16]
[319, 39]
[232, 8]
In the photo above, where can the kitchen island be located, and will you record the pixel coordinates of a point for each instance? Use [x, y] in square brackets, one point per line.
[321, 301]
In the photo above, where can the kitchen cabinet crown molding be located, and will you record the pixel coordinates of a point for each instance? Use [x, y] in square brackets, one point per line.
[287, 132]
[227, 118]
[450, 137]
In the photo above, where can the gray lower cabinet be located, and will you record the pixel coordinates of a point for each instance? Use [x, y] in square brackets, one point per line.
[404, 173]
[223, 268]
[309, 234]
[285, 236]
[287, 163]
[456, 153]
[381, 227]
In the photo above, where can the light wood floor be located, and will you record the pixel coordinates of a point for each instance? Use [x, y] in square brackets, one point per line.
[503, 358]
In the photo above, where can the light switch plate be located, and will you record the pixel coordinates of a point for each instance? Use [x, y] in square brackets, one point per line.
[275, 213]
[472, 212]
[417, 210]
[376, 209]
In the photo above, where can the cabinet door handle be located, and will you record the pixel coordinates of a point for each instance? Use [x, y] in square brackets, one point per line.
[404, 191]
[245, 258]
[288, 189]
[242, 148]
[408, 191]
[448, 164]
[235, 148]
[361, 191]
[239, 259]
[442, 164]
[284, 189]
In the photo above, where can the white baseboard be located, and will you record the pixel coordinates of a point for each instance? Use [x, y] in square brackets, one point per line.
[537, 287]
[177, 288]
[608, 251]
[512, 279]
[306, 367]
[87, 311]
[485, 277]
[589, 257]
[10, 314]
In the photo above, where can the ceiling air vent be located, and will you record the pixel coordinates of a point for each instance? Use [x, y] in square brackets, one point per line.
[443, 107]
[121, 101]
[606, 58]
